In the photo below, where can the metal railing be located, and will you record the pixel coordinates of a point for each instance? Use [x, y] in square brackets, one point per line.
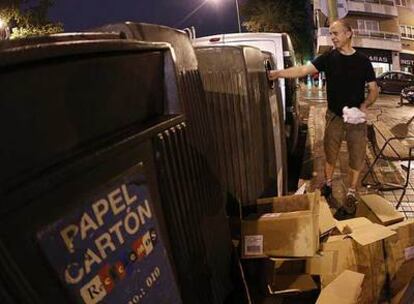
[382, 2]
[377, 35]
[324, 31]
[407, 36]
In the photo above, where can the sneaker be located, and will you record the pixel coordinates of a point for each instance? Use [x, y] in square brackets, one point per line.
[326, 191]
[350, 204]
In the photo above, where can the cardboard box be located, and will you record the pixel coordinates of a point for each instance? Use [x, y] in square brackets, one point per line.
[286, 275]
[369, 255]
[284, 226]
[345, 289]
[378, 210]
[400, 255]
[359, 249]
[280, 276]
[285, 284]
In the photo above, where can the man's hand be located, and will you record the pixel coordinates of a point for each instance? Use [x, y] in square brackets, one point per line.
[273, 74]
[371, 97]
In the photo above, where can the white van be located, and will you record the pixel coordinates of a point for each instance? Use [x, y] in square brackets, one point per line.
[280, 46]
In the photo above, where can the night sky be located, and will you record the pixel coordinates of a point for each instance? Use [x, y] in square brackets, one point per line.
[215, 16]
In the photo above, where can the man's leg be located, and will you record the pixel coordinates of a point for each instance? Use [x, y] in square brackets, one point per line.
[329, 170]
[356, 138]
[353, 178]
[334, 131]
[326, 189]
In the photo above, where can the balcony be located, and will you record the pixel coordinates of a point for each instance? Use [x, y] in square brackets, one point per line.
[364, 39]
[379, 8]
[323, 40]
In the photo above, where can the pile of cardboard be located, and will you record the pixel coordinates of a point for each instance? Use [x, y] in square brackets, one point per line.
[299, 247]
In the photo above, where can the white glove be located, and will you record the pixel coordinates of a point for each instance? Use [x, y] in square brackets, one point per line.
[353, 115]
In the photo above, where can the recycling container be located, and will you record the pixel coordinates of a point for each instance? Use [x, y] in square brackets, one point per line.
[237, 92]
[200, 137]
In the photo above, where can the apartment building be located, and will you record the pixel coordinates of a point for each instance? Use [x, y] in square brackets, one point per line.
[383, 31]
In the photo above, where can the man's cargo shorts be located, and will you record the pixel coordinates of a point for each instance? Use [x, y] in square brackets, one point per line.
[355, 135]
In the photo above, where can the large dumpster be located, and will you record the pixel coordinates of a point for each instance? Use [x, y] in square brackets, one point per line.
[208, 199]
[280, 46]
[96, 177]
[237, 93]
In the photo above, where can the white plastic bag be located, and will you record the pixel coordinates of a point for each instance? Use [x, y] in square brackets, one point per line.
[353, 115]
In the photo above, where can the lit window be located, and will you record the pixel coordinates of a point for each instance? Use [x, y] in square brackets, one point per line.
[368, 25]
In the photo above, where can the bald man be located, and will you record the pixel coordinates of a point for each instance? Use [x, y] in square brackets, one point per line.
[347, 71]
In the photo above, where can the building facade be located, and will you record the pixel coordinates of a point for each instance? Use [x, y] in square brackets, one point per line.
[383, 31]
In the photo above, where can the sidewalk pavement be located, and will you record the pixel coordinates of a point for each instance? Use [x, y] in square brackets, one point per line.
[312, 109]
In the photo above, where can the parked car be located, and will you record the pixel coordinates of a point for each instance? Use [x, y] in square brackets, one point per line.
[394, 81]
[407, 94]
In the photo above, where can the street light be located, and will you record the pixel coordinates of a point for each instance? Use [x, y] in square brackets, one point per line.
[237, 10]
[238, 15]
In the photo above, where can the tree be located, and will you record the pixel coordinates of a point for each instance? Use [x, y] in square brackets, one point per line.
[28, 18]
[282, 16]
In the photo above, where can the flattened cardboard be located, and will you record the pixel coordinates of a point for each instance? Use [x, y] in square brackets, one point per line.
[345, 289]
[352, 223]
[285, 226]
[400, 255]
[326, 220]
[363, 231]
[378, 210]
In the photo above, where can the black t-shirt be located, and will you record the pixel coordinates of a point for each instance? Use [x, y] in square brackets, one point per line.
[346, 76]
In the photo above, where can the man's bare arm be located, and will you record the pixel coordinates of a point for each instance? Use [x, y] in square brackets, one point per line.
[372, 95]
[293, 72]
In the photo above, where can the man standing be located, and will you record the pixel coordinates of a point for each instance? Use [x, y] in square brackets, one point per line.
[347, 71]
